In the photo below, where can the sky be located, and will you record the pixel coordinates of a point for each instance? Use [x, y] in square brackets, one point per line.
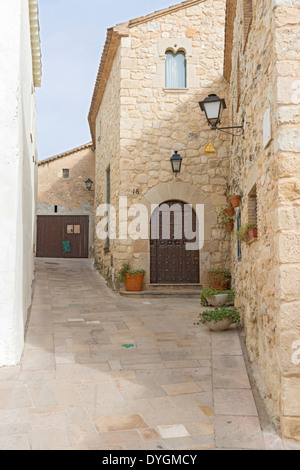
[73, 33]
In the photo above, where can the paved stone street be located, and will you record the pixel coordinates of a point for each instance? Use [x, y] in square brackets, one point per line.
[101, 371]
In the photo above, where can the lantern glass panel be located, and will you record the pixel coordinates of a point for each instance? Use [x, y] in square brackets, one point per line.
[212, 110]
[176, 166]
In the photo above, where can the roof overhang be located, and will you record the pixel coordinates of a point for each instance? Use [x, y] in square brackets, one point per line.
[113, 39]
[35, 42]
[164, 12]
[66, 154]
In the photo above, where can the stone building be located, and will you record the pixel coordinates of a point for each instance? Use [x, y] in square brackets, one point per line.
[65, 201]
[20, 73]
[262, 65]
[153, 72]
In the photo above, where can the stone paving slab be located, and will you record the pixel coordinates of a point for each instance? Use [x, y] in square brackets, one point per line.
[105, 372]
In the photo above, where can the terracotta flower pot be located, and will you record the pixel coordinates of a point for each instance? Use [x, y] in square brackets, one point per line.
[229, 226]
[251, 234]
[235, 200]
[219, 281]
[229, 211]
[134, 282]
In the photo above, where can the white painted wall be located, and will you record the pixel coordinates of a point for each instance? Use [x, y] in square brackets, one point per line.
[18, 156]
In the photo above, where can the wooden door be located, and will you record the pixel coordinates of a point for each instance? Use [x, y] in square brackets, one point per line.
[62, 236]
[171, 262]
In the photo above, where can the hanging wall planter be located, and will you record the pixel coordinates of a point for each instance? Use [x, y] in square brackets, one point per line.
[229, 211]
[234, 200]
[251, 234]
[229, 226]
[247, 234]
[225, 220]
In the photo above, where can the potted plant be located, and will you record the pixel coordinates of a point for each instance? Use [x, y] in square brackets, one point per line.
[216, 298]
[251, 233]
[229, 225]
[133, 278]
[247, 233]
[234, 200]
[229, 211]
[226, 221]
[219, 319]
[219, 279]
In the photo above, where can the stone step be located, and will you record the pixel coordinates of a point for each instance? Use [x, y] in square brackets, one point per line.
[175, 287]
[187, 293]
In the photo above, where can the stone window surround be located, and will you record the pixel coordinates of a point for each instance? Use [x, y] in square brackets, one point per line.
[108, 200]
[174, 53]
[252, 206]
[251, 193]
[247, 19]
[175, 45]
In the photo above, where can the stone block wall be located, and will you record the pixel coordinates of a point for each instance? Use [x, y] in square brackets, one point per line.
[287, 47]
[153, 122]
[107, 155]
[69, 195]
[266, 279]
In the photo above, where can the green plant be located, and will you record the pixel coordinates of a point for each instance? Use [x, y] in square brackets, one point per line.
[136, 271]
[209, 292]
[224, 219]
[126, 269]
[219, 278]
[225, 272]
[242, 232]
[219, 314]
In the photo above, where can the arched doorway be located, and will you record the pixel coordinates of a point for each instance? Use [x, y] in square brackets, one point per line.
[170, 260]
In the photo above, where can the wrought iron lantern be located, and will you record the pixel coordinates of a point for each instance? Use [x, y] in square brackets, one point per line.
[213, 107]
[89, 183]
[176, 162]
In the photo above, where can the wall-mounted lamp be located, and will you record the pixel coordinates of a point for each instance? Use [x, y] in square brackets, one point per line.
[176, 162]
[89, 183]
[213, 107]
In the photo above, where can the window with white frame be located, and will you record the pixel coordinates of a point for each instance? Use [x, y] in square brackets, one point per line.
[175, 69]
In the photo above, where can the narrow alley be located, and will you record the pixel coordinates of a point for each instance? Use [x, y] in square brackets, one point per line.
[105, 372]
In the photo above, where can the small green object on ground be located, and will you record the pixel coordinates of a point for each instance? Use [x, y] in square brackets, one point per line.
[127, 346]
[66, 246]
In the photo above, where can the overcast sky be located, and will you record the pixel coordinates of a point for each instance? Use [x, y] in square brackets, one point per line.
[73, 33]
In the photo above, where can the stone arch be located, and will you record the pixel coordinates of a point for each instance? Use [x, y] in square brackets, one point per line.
[190, 195]
[186, 193]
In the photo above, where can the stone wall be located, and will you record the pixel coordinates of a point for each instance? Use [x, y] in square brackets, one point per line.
[152, 121]
[286, 221]
[69, 195]
[107, 134]
[266, 279]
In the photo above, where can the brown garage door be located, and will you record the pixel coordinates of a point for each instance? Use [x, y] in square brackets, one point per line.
[62, 236]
